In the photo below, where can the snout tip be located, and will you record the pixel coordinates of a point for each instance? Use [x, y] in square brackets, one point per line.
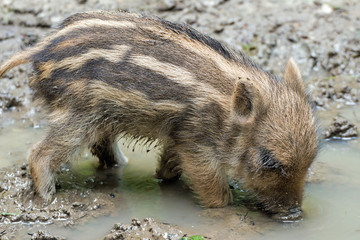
[292, 215]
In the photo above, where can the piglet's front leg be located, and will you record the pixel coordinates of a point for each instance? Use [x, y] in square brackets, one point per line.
[207, 178]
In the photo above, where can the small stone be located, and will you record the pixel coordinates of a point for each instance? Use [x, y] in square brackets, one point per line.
[219, 30]
[81, 1]
[96, 206]
[24, 166]
[326, 9]
[136, 222]
[118, 226]
[168, 5]
[77, 205]
[29, 39]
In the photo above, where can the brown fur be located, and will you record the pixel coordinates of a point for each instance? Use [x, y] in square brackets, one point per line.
[102, 75]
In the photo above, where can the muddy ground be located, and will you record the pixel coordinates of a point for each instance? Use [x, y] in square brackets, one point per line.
[323, 38]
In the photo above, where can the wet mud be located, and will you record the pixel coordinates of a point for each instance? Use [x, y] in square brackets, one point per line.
[20, 207]
[322, 37]
[341, 128]
[148, 228]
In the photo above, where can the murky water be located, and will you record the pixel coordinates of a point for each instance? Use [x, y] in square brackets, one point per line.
[331, 205]
[15, 142]
[140, 196]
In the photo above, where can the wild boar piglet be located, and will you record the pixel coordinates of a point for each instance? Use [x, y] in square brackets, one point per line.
[104, 75]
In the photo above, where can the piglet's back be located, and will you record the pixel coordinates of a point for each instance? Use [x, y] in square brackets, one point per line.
[150, 56]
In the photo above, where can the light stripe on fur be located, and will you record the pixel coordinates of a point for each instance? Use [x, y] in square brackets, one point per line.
[180, 76]
[114, 55]
[90, 23]
[173, 72]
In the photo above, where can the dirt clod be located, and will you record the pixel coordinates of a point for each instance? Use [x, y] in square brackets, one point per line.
[8, 101]
[336, 91]
[29, 39]
[147, 228]
[342, 129]
[42, 235]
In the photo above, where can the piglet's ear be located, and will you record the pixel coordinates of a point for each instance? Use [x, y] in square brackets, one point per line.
[292, 77]
[244, 102]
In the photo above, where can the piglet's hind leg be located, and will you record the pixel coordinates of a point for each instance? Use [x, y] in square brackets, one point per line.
[47, 156]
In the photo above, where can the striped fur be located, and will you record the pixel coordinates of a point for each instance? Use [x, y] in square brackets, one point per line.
[214, 111]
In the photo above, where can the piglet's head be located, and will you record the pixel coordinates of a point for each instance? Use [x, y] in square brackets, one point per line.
[277, 141]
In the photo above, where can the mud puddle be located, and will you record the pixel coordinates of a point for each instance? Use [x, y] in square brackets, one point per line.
[15, 143]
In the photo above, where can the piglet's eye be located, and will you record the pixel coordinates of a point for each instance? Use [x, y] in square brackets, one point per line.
[268, 160]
